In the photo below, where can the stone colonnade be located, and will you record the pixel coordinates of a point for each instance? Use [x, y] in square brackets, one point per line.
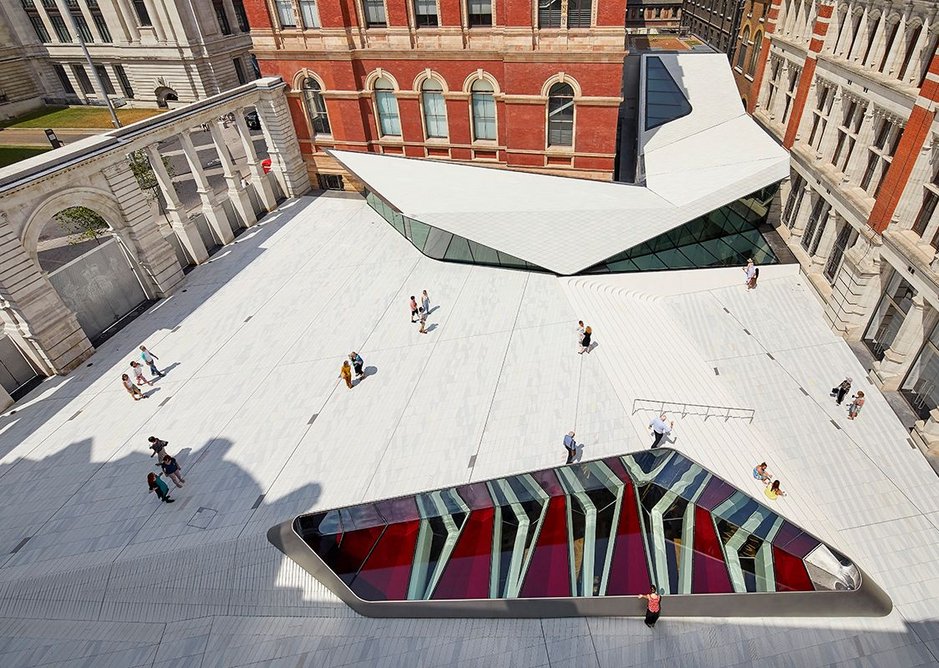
[96, 173]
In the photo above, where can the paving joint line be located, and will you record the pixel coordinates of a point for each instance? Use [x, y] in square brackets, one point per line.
[495, 390]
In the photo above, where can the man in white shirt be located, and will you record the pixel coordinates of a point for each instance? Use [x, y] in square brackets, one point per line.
[660, 429]
[571, 447]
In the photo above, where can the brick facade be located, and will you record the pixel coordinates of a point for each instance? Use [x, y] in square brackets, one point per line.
[517, 58]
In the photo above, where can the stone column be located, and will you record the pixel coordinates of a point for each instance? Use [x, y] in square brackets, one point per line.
[854, 170]
[236, 193]
[155, 258]
[185, 229]
[5, 399]
[926, 434]
[889, 371]
[30, 304]
[260, 180]
[849, 308]
[282, 146]
[124, 16]
[155, 20]
[213, 212]
[827, 242]
[801, 217]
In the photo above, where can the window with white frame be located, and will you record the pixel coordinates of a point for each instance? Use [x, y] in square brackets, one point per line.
[549, 13]
[794, 201]
[815, 226]
[479, 13]
[928, 207]
[773, 85]
[315, 105]
[561, 115]
[435, 109]
[742, 48]
[285, 15]
[484, 111]
[791, 92]
[848, 131]
[881, 155]
[309, 14]
[375, 13]
[425, 13]
[578, 13]
[386, 105]
[755, 53]
[824, 99]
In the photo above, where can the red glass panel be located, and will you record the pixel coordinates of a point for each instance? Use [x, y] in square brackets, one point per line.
[385, 574]
[549, 572]
[708, 570]
[346, 554]
[629, 569]
[790, 572]
[466, 574]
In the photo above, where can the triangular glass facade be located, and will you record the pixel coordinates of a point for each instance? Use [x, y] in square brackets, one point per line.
[604, 528]
[664, 99]
[727, 236]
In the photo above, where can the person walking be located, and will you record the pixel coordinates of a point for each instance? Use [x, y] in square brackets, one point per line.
[425, 301]
[138, 374]
[841, 390]
[774, 491]
[156, 484]
[171, 468]
[357, 363]
[586, 341]
[660, 430]
[131, 388]
[571, 446]
[423, 321]
[150, 360]
[653, 606]
[413, 308]
[346, 373]
[855, 407]
[159, 448]
[580, 333]
[752, 274]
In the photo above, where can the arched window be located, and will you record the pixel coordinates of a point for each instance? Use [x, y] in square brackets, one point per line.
[315, 106]
[561, 115]
[435, 110]
[755, 53]
[742, 49]
[484, 110]
[389, 123]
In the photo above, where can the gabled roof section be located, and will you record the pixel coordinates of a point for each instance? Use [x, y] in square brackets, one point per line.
[693, 164]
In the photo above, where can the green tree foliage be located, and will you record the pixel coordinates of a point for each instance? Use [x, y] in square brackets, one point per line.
[82, 224]
[143, 172]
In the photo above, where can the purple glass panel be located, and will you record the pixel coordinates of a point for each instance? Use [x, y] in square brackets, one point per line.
[708, 570]
[476, 495]
[548, 481]
[402, 509]
[549, 572]
[629, 569]
[716, 492]
[466, 574]
[794, 541]
[386, 571]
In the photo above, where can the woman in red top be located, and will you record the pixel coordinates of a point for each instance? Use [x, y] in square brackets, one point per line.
[653, 607]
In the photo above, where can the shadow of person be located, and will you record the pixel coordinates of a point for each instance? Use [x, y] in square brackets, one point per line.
[146, 395]
[580, 452]
[593, 346]
[369, 371]
[432, 309]
[431, 327]
[166, 370]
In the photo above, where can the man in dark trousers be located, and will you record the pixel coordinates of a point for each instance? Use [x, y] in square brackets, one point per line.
[660, 429]
[571, 446]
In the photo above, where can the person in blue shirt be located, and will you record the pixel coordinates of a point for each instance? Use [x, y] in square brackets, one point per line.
[357, 363]
[571, 446]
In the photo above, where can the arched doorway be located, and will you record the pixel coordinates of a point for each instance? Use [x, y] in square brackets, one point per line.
[88, 265]
[165, 95]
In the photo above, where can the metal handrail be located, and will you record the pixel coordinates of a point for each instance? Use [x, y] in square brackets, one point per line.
[686, 408]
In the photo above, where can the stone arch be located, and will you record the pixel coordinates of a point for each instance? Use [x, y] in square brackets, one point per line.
[103, 203]
[377, 74]
[297, 82]
[478, 75]
[562, 77]
[426, 74]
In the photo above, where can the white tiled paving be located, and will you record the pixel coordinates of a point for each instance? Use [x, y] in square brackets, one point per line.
[110, 577]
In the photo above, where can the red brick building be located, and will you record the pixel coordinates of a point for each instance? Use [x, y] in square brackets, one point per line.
[528, 84]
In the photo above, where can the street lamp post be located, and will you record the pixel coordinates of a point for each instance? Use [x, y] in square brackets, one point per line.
[73, 26]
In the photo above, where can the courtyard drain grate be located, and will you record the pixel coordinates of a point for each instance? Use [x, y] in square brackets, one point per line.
[20, 545]
[203, 518]
[258, 502]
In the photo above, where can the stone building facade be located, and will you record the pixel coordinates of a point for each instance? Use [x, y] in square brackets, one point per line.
[852, 89]
[146, 52]
[156, 235]
[512, 83]
[653, 16]
[715, 22]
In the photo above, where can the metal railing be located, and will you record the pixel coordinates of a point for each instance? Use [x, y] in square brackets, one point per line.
[685, 409]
